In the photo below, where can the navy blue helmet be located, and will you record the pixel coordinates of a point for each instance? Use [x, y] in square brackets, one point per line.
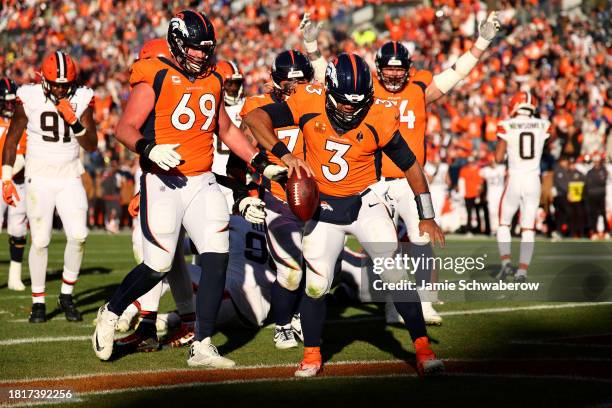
[348, 81]
[393, 55]
[192, 30]
[293, 66]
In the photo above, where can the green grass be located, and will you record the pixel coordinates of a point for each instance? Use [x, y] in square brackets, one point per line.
[353, 335]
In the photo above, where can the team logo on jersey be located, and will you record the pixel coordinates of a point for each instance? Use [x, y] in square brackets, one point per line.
[359, 137]
[320, 127]
[176, 79]
[325, 206]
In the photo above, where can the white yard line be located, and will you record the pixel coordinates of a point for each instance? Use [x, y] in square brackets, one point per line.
[27, 340]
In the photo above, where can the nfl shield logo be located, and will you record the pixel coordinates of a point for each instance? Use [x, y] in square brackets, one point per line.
[359, 137]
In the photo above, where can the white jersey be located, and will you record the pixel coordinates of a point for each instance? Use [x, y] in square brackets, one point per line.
[439, 173]
[53, 150]
[525, 137]
[494, 177]
[221, 153]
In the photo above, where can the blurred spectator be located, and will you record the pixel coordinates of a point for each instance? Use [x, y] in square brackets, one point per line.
[494, 175]
[575, 199]
[470, 185]
[596, 180]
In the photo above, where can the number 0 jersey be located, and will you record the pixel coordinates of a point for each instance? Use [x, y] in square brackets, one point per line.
[53, 150]
[344, 164]
[186, 111]
[525, 137]
[411, 104]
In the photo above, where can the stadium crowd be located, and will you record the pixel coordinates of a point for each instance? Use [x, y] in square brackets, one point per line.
[561, 56]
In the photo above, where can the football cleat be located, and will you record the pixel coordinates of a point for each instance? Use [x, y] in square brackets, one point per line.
[432, 317]
[66, 304]
[503, 274]
[296, 325]
[205, 354]
[104, 335]
[427, 363]
[520, 279]
[144, 339]
[38, 314]
[284, 337]
[312, 364]
[127, 321]
[391, 314]
[184, 336]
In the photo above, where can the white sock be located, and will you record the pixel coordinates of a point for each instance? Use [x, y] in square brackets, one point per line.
[504, 243]
[37, 261]
[130, 311]
[150, 300]
[14, 272]
[527, 244]
[69, 278]
[73, 255]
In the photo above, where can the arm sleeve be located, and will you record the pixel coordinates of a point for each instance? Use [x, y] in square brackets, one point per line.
[398, 151]
[281, 114]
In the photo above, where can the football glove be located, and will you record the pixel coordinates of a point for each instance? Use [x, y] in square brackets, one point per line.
[9, 192]
[134, 206]
[252, 209]
[487, 30]
[310, 33]
[163, 155]
[263, 166]
[64, 109]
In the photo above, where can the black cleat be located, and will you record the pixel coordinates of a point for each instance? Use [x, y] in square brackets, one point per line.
[38, 314]
[66, 304]
[520, 279]
[144, 339]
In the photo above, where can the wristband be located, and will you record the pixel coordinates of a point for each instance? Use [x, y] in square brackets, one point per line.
[311, 46]
[425, 206]
[144, 146]
[280, 149]
[482, 44]
[7, 172]
[78, 128]
[259, 162]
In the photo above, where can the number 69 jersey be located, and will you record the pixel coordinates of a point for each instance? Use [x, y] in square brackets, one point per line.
[185, 111]
[53, 150]
[525, 137]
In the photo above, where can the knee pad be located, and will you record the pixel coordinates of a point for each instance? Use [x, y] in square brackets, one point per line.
[317, 285]
[528, 236]
[77, 241]
[41, 242]
[503, 234]
[288, 278]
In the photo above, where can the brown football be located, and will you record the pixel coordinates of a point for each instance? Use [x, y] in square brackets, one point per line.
[302, 195]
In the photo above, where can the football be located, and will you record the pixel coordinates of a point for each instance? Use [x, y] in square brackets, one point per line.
[302, 195]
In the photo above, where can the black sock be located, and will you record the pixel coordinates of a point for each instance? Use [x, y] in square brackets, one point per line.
[138, 282]
[17, 245]
[284, 303]
[210, 292]
[312, 314]
[412, 313]
[424, 253]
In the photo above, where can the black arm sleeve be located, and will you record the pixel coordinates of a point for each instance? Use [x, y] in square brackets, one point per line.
[280, 114]
[398, 151]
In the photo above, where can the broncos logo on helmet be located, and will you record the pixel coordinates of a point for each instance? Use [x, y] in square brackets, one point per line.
[192, 42]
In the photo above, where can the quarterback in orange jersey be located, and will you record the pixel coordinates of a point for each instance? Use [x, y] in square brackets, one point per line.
[410, 91]
[17, 220]
[344, 133]
[57, 116]
[171, 114]
[284, 229]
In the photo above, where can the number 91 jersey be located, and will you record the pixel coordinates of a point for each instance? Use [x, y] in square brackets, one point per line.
[525, 137]
[185, 111]
[53, 150]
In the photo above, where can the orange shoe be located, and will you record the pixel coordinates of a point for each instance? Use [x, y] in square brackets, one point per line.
[312, 364]
[427, 363]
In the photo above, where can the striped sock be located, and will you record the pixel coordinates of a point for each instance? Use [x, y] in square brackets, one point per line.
[68, 280]
[38, 297]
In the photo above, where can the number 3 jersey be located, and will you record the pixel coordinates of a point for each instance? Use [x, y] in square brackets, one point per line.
[525, 137]
[53, 150]
[185, 112]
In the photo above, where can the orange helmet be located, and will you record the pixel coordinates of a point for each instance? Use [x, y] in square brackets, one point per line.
[233, 81]
[59, 75]
[523, 101]
[155, 48]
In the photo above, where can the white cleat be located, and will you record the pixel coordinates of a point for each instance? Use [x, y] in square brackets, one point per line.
[104, 336]
[391, 314]
[204, 354]
[284, 337]
[432, 317]
[14, 277]
[296, 325]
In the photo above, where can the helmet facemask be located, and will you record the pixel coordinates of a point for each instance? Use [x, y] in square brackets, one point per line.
[393, 82]
[199, 66]
[343, 119]
[232, 91]
[7, 107]
[67, 90]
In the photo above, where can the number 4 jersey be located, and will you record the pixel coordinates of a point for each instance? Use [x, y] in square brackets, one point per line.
[525, 137]
[53, 150]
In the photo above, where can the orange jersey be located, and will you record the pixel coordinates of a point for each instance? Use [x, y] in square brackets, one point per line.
[346, 164]
[185, 112]
[290, 135]
[4, 127]
[410, 102]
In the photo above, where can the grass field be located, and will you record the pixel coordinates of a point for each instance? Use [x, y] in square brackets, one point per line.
[497, 353]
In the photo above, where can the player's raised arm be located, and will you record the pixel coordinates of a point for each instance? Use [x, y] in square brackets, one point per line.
[262, 122]
[445, 81]
[398, 151]
[19, 121]
[310, 33]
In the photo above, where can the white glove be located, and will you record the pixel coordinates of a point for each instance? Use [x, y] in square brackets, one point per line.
[487, 30]
[252, 209]
[164, 156]
[310, 33]
[274, 172]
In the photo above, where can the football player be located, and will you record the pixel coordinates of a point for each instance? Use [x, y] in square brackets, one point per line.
[399, 85]
[344, 133]
[17, 221]
[173, 110]
[58, 115]
[284, 229]
[522, 137]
